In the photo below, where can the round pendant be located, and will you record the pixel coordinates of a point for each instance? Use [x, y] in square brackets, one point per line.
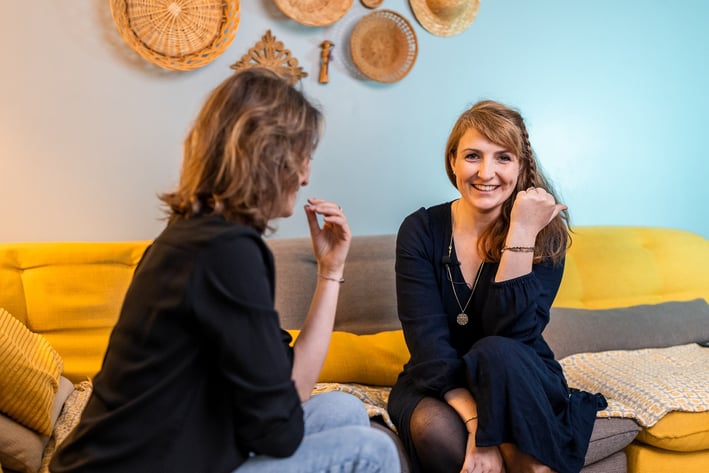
[462, 319]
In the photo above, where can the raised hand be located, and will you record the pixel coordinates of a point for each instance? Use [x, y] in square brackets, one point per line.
[532, 210]
[331, 242]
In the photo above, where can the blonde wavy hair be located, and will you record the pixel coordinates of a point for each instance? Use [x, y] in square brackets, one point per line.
[505, 127]
[244, 153]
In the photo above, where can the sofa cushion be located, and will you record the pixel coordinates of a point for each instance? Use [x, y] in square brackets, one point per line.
[679, 432]
[30, 378]
[375, 359]
[609, 436]
[367, 300]
[643, 326]
[20, 447]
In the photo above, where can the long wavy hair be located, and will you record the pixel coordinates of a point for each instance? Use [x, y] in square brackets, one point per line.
[505, 127]
[244, 153]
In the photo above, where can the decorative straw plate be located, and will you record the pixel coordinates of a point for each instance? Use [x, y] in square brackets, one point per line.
[177, 34]
[383, 46]
[314, 12]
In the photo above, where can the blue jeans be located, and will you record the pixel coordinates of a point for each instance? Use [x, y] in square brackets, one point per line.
[338, 439]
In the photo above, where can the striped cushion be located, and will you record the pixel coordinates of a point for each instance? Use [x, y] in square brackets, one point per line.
[30, 375]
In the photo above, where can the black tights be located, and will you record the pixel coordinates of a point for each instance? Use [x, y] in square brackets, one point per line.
[439, 436]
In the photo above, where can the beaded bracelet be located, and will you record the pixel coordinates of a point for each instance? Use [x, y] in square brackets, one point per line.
[518, 249]
[340, 280]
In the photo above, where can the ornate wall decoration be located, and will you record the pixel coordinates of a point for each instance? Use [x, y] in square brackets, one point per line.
[272, 54]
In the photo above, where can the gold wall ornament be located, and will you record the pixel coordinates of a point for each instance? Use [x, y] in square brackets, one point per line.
[272, 54]
[325, 58]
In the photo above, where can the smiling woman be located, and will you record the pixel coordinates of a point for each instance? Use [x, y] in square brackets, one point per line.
[476, 278]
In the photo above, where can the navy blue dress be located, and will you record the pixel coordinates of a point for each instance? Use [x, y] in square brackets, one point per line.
[500, 354]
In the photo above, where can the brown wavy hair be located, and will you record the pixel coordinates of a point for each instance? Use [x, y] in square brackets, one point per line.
[245, 150]
[505, 127]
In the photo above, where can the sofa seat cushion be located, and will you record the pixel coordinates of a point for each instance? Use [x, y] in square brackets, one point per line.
[375, 359]
[679, 431]
[609, 436]
[643, 458]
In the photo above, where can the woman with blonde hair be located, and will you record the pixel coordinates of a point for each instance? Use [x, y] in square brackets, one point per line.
[475, 280]
[198, 375]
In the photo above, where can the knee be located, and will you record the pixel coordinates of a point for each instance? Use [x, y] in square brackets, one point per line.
[339, 409]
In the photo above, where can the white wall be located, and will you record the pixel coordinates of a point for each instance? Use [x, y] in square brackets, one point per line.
[614, 92]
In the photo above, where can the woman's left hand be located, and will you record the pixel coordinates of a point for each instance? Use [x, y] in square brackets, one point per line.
[331, 242]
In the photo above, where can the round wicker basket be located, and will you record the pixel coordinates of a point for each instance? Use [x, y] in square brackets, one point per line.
[383, 46]
[314, 12]
[177, 34]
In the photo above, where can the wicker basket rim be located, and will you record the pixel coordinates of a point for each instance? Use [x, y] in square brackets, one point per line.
[197, 39]
[314, 12]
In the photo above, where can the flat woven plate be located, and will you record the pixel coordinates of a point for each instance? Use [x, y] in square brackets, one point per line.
[314, 12]
[384, 46]
[177, 34]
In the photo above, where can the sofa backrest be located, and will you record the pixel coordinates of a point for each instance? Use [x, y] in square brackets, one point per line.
[69, 292]
[72, 292]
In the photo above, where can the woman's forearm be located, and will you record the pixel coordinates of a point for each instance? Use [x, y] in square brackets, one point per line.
[311, 346]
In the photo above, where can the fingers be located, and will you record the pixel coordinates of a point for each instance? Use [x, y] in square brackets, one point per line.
[331, 213]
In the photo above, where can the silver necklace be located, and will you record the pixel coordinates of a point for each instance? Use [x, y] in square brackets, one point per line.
[462, 319]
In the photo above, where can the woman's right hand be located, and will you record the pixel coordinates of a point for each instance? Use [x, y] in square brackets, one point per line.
[481, 459]
[331, 242]
[532, 210]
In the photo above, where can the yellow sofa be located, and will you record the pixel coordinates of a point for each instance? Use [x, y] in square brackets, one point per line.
[71, 292]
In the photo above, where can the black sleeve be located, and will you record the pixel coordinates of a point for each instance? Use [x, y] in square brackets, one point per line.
[519, 308]
[233, 300]
[435, 365]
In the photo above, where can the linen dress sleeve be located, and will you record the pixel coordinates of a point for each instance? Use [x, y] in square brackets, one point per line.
[435, 366]
[233, 300]
[519, 308]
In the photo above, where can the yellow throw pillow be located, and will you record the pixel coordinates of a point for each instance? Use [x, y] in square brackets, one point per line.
[29, 375]
[374, 359]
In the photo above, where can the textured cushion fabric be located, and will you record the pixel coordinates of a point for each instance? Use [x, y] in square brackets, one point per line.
[610, 436]
[375, 359]
[679, 431]
[616, 463]
[21, 448]
[30, 375]
[644, 326]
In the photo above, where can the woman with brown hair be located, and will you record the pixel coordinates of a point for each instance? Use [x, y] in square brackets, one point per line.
[476, 278]
[198, 375]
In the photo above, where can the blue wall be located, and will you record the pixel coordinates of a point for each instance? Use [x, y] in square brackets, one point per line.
[613, 92]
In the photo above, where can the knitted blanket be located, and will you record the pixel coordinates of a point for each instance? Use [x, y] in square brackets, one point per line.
[644, 384]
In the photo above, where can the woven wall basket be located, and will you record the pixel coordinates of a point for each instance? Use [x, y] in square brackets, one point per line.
[179, 35]
[383, 46]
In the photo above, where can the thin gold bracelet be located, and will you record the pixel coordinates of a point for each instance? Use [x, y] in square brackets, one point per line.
[340, 280]
[472, 418]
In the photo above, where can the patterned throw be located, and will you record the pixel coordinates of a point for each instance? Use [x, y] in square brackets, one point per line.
[644, 384]
[374, 397]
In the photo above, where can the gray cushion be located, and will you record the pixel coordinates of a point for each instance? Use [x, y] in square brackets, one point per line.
[609, 436]
[367, 302]
[644, 326]
[616, 463]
